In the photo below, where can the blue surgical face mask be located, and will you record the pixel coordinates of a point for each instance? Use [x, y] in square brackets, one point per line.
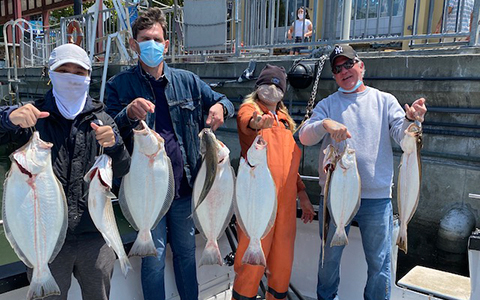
[151, 52]
[359, 83]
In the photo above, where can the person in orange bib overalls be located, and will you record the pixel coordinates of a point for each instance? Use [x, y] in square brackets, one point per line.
[264, 113]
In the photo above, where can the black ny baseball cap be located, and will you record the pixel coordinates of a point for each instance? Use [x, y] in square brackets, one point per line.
[342, 50]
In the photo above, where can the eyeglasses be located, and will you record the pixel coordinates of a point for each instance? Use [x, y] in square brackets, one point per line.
[347, 65]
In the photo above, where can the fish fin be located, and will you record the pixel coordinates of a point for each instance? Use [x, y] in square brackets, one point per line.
[273, 216]
[170, 193]
[107, 240]
[6, 227]
[402, 239]
[143, 245]
[235, 204]
[42, 286]
[90, 174]
[124, 206]
[254, 254]
[110, 195]
[63, 230]
[340, 237]
[13, 243]
[211, 254]
[125, 265]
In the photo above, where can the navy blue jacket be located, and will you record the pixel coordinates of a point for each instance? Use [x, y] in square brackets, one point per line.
[188, 97]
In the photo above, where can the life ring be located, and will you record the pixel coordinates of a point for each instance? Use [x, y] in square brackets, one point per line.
[74, 26]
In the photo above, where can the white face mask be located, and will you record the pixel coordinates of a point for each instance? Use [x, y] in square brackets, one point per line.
[300, 16]
[70, 92]
[269, 93]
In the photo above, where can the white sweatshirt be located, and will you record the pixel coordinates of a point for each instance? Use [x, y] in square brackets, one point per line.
[371, 117]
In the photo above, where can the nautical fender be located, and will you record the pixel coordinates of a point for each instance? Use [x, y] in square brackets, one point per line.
[74, 26]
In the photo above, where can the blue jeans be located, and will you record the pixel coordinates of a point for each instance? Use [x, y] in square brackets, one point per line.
[374, 219]
[177, 227]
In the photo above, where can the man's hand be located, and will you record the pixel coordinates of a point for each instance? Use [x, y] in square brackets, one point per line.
[338, 131]
[417, 111]
[307, 208]
[27, 116]
[261, 122]
[104, 135]
[215, 116]
[138, 109]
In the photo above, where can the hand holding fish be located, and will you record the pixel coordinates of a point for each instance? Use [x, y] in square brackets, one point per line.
[27, 116]
[215, 116]
[104, 135]
[417, 111]
[338, 131]
[138, 109]
[307, 208]
[261, 122]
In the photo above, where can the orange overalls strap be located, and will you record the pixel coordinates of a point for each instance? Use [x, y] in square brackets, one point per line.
[283, 156]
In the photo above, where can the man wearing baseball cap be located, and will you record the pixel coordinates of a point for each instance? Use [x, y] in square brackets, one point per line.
[78, 128]
[366, 119]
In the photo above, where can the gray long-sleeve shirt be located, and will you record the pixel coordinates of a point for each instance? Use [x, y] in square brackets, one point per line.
[371, 117]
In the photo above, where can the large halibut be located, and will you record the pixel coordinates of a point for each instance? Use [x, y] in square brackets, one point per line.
[35, 213]
[147, 190]
[256, 200]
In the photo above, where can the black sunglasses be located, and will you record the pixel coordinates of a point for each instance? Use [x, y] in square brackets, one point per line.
[347, 65]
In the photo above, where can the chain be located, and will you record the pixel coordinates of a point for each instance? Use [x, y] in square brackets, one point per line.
[311, 101]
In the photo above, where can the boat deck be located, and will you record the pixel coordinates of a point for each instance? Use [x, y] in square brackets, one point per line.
[215, 282]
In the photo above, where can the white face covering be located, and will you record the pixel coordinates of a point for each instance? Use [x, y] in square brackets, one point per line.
[70, 92]
[300, 16]
[269, 93]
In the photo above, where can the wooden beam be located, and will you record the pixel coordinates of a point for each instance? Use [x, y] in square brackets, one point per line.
[34, 11]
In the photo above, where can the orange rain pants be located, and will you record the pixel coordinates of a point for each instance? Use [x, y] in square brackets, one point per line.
[283, 156]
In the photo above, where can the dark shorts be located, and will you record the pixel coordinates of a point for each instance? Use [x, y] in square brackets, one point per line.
[298, 39]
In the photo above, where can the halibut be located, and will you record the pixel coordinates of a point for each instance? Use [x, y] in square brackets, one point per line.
[212, 217]
[344, 195]
[409, 176]
[35, 213]
[147, 190]
[256, 200]
[100, 207]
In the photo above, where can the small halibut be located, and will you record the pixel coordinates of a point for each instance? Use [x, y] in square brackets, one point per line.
[344, 195]
[409, 177]
[100, 207]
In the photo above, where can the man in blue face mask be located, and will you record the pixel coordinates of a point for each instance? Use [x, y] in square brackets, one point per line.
[79, 129]
[366, 119]
[172, 102]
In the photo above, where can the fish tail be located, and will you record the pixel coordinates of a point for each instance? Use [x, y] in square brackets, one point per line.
[125, 265]
[143, 245]
[42, 285]
[402, 238]
[340, 237]
[254, 254]
[211, 254]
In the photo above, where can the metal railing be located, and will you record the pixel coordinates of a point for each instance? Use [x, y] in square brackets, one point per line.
[262, 27]
[419, 23]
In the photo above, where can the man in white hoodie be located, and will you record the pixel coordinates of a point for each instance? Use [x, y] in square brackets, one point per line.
[365, 118]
